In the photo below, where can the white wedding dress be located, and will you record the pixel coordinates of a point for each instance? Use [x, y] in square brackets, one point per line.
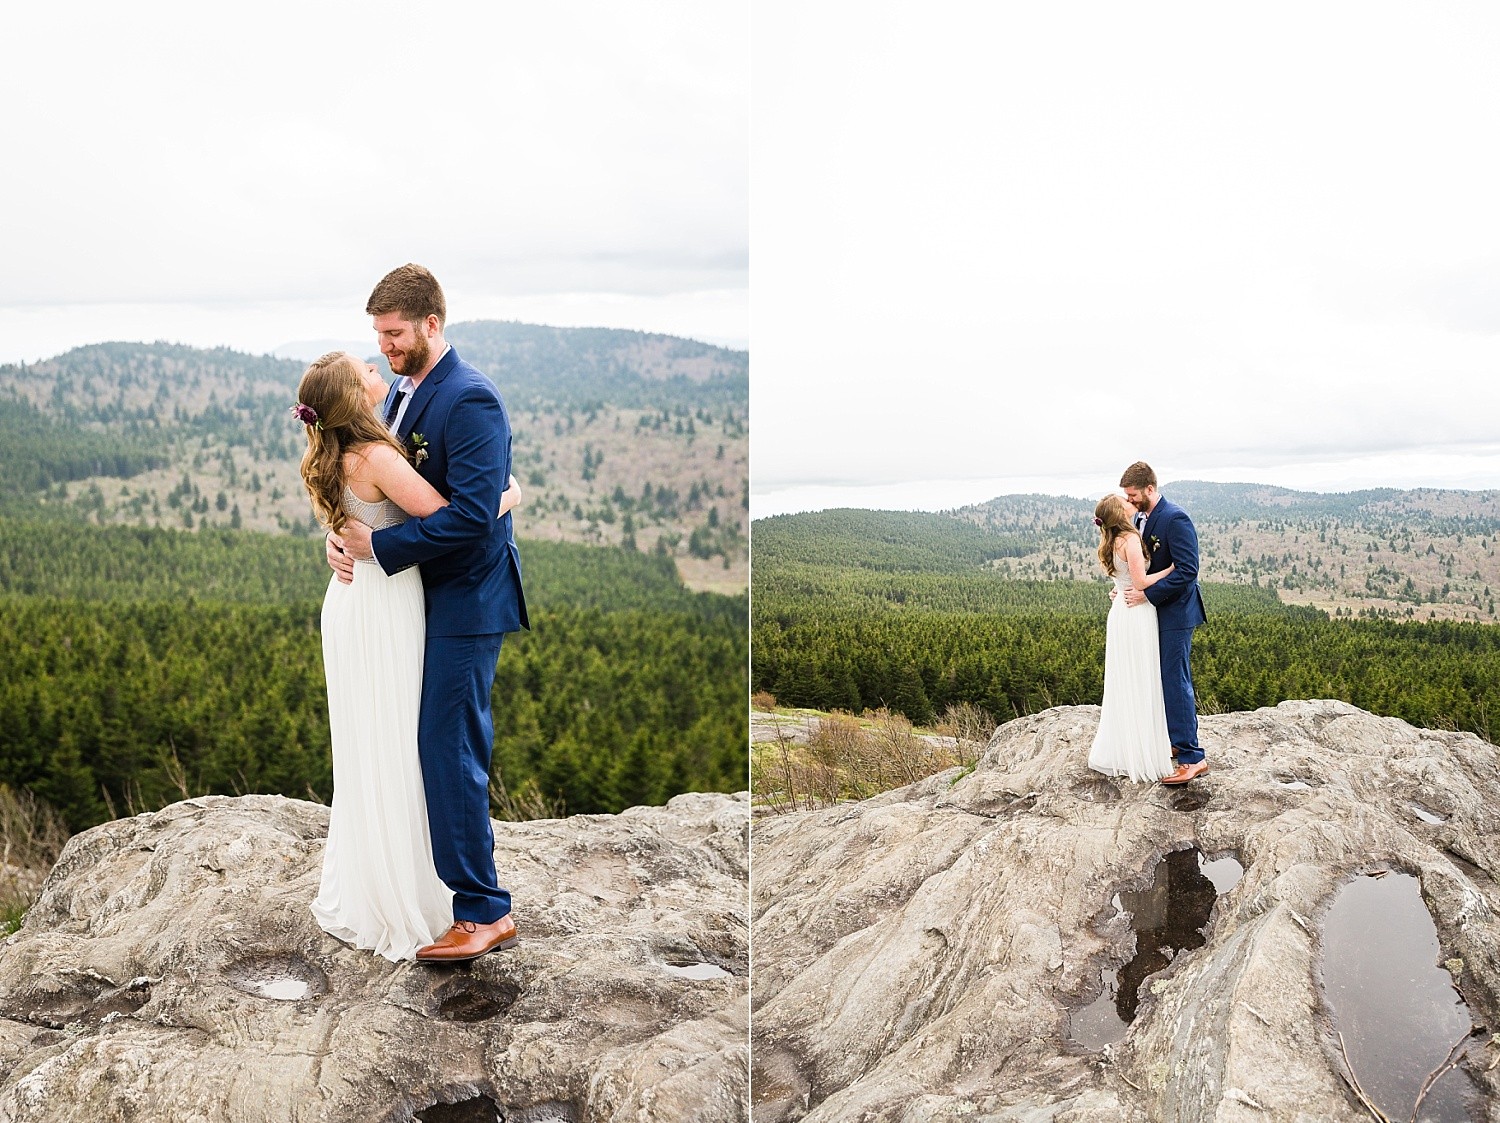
[1132, 739]
[379, 889]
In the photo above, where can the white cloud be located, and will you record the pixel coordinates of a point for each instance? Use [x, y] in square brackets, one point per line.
[172, 154]
[1039, 242]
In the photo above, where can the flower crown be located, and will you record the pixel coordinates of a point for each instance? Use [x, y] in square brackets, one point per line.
[307, 415]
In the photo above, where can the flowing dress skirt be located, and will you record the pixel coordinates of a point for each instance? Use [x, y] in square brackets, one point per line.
[379, 889]
[1132, 739]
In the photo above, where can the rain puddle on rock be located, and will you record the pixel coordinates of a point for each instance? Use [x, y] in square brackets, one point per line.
[1425, 815]
[1168, 918]
[286, 978]
[288, 990]
[699, 971]
[1395, 1007]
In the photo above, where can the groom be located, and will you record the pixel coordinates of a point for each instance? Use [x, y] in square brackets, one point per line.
[451, 418]
[1169, 535]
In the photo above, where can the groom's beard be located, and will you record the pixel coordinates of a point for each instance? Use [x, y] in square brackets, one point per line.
[411, 361]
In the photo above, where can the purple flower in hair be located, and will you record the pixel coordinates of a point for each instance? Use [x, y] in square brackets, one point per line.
[1098, 521]
[307, 415]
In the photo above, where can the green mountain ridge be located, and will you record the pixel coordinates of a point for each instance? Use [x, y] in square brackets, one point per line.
[620, 437]
[1422, 553]
[535, 365]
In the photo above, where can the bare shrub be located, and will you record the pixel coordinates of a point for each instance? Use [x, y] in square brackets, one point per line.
[775, 772]
[528, 802]
[970, 726]
[848, 757]
[835, 756]
[763, 780]
[764, 701]
[32, 835]
[904, 757]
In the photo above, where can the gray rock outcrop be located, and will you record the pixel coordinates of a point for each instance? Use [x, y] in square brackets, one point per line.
[171, 971]
[918, 956]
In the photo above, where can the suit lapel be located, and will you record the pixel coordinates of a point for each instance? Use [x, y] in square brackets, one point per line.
[1159, 509]
[424, 392]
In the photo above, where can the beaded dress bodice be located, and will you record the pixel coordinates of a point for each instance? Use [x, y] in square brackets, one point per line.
[376, 516]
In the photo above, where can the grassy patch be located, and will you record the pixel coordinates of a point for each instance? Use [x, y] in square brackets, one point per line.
[855, 757]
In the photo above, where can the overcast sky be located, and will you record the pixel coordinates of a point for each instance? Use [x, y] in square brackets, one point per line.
[1015, 247]
[243, 174]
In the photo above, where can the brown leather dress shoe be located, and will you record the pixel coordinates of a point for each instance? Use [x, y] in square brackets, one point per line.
[468, 940]
[1184, 773]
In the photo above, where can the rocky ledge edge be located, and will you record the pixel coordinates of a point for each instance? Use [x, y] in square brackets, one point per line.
[919, 955]
[171, 970]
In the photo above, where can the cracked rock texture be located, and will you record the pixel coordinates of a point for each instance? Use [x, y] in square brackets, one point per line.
[918, 955]
[171, 971]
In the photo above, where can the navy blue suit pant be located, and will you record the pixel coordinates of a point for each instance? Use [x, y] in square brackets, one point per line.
[454, 738]
[1177, 691]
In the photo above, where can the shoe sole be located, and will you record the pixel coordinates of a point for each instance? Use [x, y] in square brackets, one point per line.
[501, 946]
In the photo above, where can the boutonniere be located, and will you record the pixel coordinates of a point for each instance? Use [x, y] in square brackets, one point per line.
[418, 448]
[1155, 543]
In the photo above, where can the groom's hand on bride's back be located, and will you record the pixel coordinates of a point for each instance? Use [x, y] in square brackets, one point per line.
[340, 562]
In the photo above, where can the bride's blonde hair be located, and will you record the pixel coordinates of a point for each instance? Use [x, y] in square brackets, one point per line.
[333, 387]
[1113, 518]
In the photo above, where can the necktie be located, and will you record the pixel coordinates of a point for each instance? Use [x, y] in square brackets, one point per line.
[395, 408]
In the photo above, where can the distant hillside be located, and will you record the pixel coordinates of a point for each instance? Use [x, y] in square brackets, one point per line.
[907, 561]
[894, 541]
[621, 438]
[1419, 554]
[578, 366]
[40, 452]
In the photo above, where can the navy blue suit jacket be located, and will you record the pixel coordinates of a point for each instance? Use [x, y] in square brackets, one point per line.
[1174, 541]
[471, 569]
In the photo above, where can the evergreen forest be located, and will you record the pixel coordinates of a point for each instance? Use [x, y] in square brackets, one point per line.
[854, 610]
[145, 665]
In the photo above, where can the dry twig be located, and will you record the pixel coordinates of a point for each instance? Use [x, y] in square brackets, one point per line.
[1353, 1082]
[1455, 1055]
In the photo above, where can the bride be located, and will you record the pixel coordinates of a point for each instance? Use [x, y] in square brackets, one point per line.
[379, 889]
[1132, 738]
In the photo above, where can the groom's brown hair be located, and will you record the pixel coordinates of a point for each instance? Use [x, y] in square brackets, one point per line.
[1139, 475]
[410, 291]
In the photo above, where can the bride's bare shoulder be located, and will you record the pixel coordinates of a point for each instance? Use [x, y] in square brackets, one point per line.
[362, 468]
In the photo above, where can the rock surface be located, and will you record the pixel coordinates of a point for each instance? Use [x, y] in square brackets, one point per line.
[918, 955]
[171, 971]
